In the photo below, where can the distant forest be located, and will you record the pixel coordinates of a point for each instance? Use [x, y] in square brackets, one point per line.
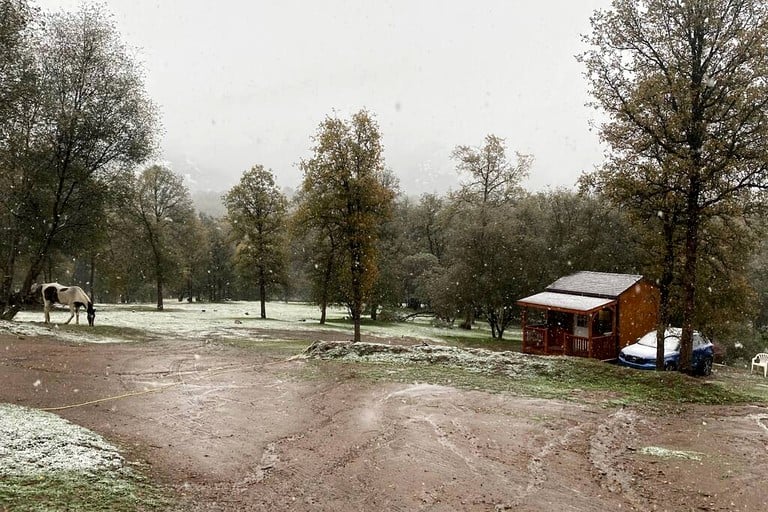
[679, 198]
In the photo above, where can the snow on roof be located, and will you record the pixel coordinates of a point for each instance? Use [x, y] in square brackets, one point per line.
[552, 300]
[602, 284]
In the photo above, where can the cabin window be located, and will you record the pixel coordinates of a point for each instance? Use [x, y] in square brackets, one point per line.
[604, 322]
[581, 320]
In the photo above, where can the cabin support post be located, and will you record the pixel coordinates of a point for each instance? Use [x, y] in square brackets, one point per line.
[614, 331]
[523, 321]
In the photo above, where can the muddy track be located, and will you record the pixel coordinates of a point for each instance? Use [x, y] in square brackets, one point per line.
[234, 430]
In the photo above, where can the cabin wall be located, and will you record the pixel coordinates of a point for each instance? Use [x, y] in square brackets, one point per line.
[638, 312]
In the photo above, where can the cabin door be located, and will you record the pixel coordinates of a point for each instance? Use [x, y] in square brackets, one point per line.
[580, 325]
[559, 324]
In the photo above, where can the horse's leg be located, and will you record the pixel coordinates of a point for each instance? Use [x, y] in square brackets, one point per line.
[47, 310]
[71, 312]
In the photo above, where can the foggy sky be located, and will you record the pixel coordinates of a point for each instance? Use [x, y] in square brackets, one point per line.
[240, 83]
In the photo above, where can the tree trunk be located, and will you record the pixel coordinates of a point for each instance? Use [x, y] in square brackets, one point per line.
[6, 286]
[665, 285]
[689, 286]
[159, 292]
[357, 314]
[357, 337]
[469, 319]
[92, 277]
[356, 272]
[262, 293]
[327, 275]
[492, 322]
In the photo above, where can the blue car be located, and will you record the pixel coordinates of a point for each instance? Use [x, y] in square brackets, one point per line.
[642, 354]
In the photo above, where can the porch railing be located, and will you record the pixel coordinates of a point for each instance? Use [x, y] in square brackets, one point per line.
[537, 339]
[598, 347]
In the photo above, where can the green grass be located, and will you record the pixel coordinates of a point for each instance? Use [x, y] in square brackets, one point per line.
[78, 492]
[111, 331]
[488, 343]
[271, 347]
[568, 378]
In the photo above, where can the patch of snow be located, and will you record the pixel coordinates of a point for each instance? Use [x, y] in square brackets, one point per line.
[666, 453]
[419, 390]
[34, 442]
[471, 359]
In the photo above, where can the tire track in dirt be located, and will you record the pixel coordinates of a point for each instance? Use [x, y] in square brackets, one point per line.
[330, 457]
[761, 420]
[537, 463]
[606, 447]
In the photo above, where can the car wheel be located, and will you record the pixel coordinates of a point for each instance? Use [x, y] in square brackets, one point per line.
[670, 366]
[706, 367]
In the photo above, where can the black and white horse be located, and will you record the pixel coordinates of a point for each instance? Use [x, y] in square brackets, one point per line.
[72, 296]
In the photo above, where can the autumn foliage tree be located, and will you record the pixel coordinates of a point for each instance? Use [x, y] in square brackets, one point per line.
[344, 194]
[257, 213]
[684, 86]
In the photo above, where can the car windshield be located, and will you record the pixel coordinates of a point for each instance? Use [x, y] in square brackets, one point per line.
[671, 342]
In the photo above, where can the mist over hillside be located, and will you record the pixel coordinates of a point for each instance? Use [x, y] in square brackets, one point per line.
[209, 202]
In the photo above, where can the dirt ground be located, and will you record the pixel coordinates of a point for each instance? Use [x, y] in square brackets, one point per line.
[232, 429]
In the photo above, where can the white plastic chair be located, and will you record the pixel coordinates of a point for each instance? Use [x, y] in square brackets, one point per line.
[761, 361]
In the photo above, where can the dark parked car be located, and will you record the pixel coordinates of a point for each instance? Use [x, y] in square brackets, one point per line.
[642, 354]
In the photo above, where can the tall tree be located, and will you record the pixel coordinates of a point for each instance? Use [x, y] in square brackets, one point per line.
[684, 84]
[318, 252]
[489, 175]
[491, 185]
[344, 188]
[75, 120]
[221, 255]
[162, 208]
[257, 212]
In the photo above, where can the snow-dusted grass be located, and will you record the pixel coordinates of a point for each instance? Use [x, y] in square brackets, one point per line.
[48, 463]
[560, 377]
[183, 320]
[511, 364]
[35, 442]
[230, 320]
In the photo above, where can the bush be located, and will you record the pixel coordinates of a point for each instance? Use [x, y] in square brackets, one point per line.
[740, 345]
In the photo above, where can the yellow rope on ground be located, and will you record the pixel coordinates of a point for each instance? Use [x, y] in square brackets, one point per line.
[202, 373]
[107, 399]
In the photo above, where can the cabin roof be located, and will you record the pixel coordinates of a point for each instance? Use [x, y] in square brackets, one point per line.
[565, 302]
[596, 284]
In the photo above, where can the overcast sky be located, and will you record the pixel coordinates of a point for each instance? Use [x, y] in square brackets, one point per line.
[240, 83]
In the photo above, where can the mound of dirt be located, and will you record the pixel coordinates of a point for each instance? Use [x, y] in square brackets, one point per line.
[471, 359]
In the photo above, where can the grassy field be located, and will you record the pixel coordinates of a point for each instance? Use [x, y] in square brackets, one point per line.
[569, 379]
[75, 491]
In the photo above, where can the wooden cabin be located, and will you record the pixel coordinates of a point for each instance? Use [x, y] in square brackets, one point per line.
[589, 314]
